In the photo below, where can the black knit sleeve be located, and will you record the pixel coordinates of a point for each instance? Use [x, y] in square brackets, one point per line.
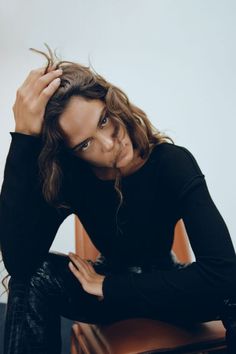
[28, 224]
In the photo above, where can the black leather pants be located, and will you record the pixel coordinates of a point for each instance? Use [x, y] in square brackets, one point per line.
[34, 308]
[33, 323]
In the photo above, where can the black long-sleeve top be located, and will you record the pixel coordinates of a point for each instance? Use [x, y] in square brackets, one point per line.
[168, 187]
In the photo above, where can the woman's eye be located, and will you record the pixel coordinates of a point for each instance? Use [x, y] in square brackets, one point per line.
[83, 147]
[106, 120]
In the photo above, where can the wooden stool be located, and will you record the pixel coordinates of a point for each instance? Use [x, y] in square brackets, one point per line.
[146, 336]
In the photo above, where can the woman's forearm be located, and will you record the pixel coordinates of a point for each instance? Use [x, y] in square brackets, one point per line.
[27, 224]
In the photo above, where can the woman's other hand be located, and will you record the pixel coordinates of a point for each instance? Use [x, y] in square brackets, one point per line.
[83, 270]
[31, 99]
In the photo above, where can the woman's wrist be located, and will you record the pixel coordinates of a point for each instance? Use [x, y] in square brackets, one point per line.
[25, 131]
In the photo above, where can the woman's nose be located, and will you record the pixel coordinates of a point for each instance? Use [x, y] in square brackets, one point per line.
[108, 143]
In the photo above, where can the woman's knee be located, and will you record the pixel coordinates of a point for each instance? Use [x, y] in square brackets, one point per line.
[49, 276]
[52, 283]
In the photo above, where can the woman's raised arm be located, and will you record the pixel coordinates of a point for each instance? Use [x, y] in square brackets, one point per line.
[28, 224]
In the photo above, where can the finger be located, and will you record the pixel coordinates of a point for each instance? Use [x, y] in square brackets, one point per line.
[79, 263]
[33, 76]
[48, 91]
[52, 67]
[76, 262]
[75, 271]
[44, 80]
[90, 265]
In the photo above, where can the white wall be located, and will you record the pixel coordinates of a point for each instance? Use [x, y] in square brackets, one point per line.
[174, 58]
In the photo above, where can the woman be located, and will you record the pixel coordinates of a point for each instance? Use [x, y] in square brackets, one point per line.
[80, 146]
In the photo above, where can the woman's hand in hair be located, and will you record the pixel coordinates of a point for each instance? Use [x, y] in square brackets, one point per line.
[31, 100]
[83, 270]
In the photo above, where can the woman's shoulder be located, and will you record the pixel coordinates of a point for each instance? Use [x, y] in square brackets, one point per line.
[173, 155]
[176, 166]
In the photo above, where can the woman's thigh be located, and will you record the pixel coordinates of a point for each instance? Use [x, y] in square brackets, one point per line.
[58, 288]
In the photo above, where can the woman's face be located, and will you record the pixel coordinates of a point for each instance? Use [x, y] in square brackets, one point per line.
[92, 135]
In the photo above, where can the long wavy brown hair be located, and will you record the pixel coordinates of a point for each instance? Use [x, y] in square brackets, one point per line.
[84, 81]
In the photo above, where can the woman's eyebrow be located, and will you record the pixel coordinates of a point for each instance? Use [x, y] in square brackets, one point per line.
[99, 119]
